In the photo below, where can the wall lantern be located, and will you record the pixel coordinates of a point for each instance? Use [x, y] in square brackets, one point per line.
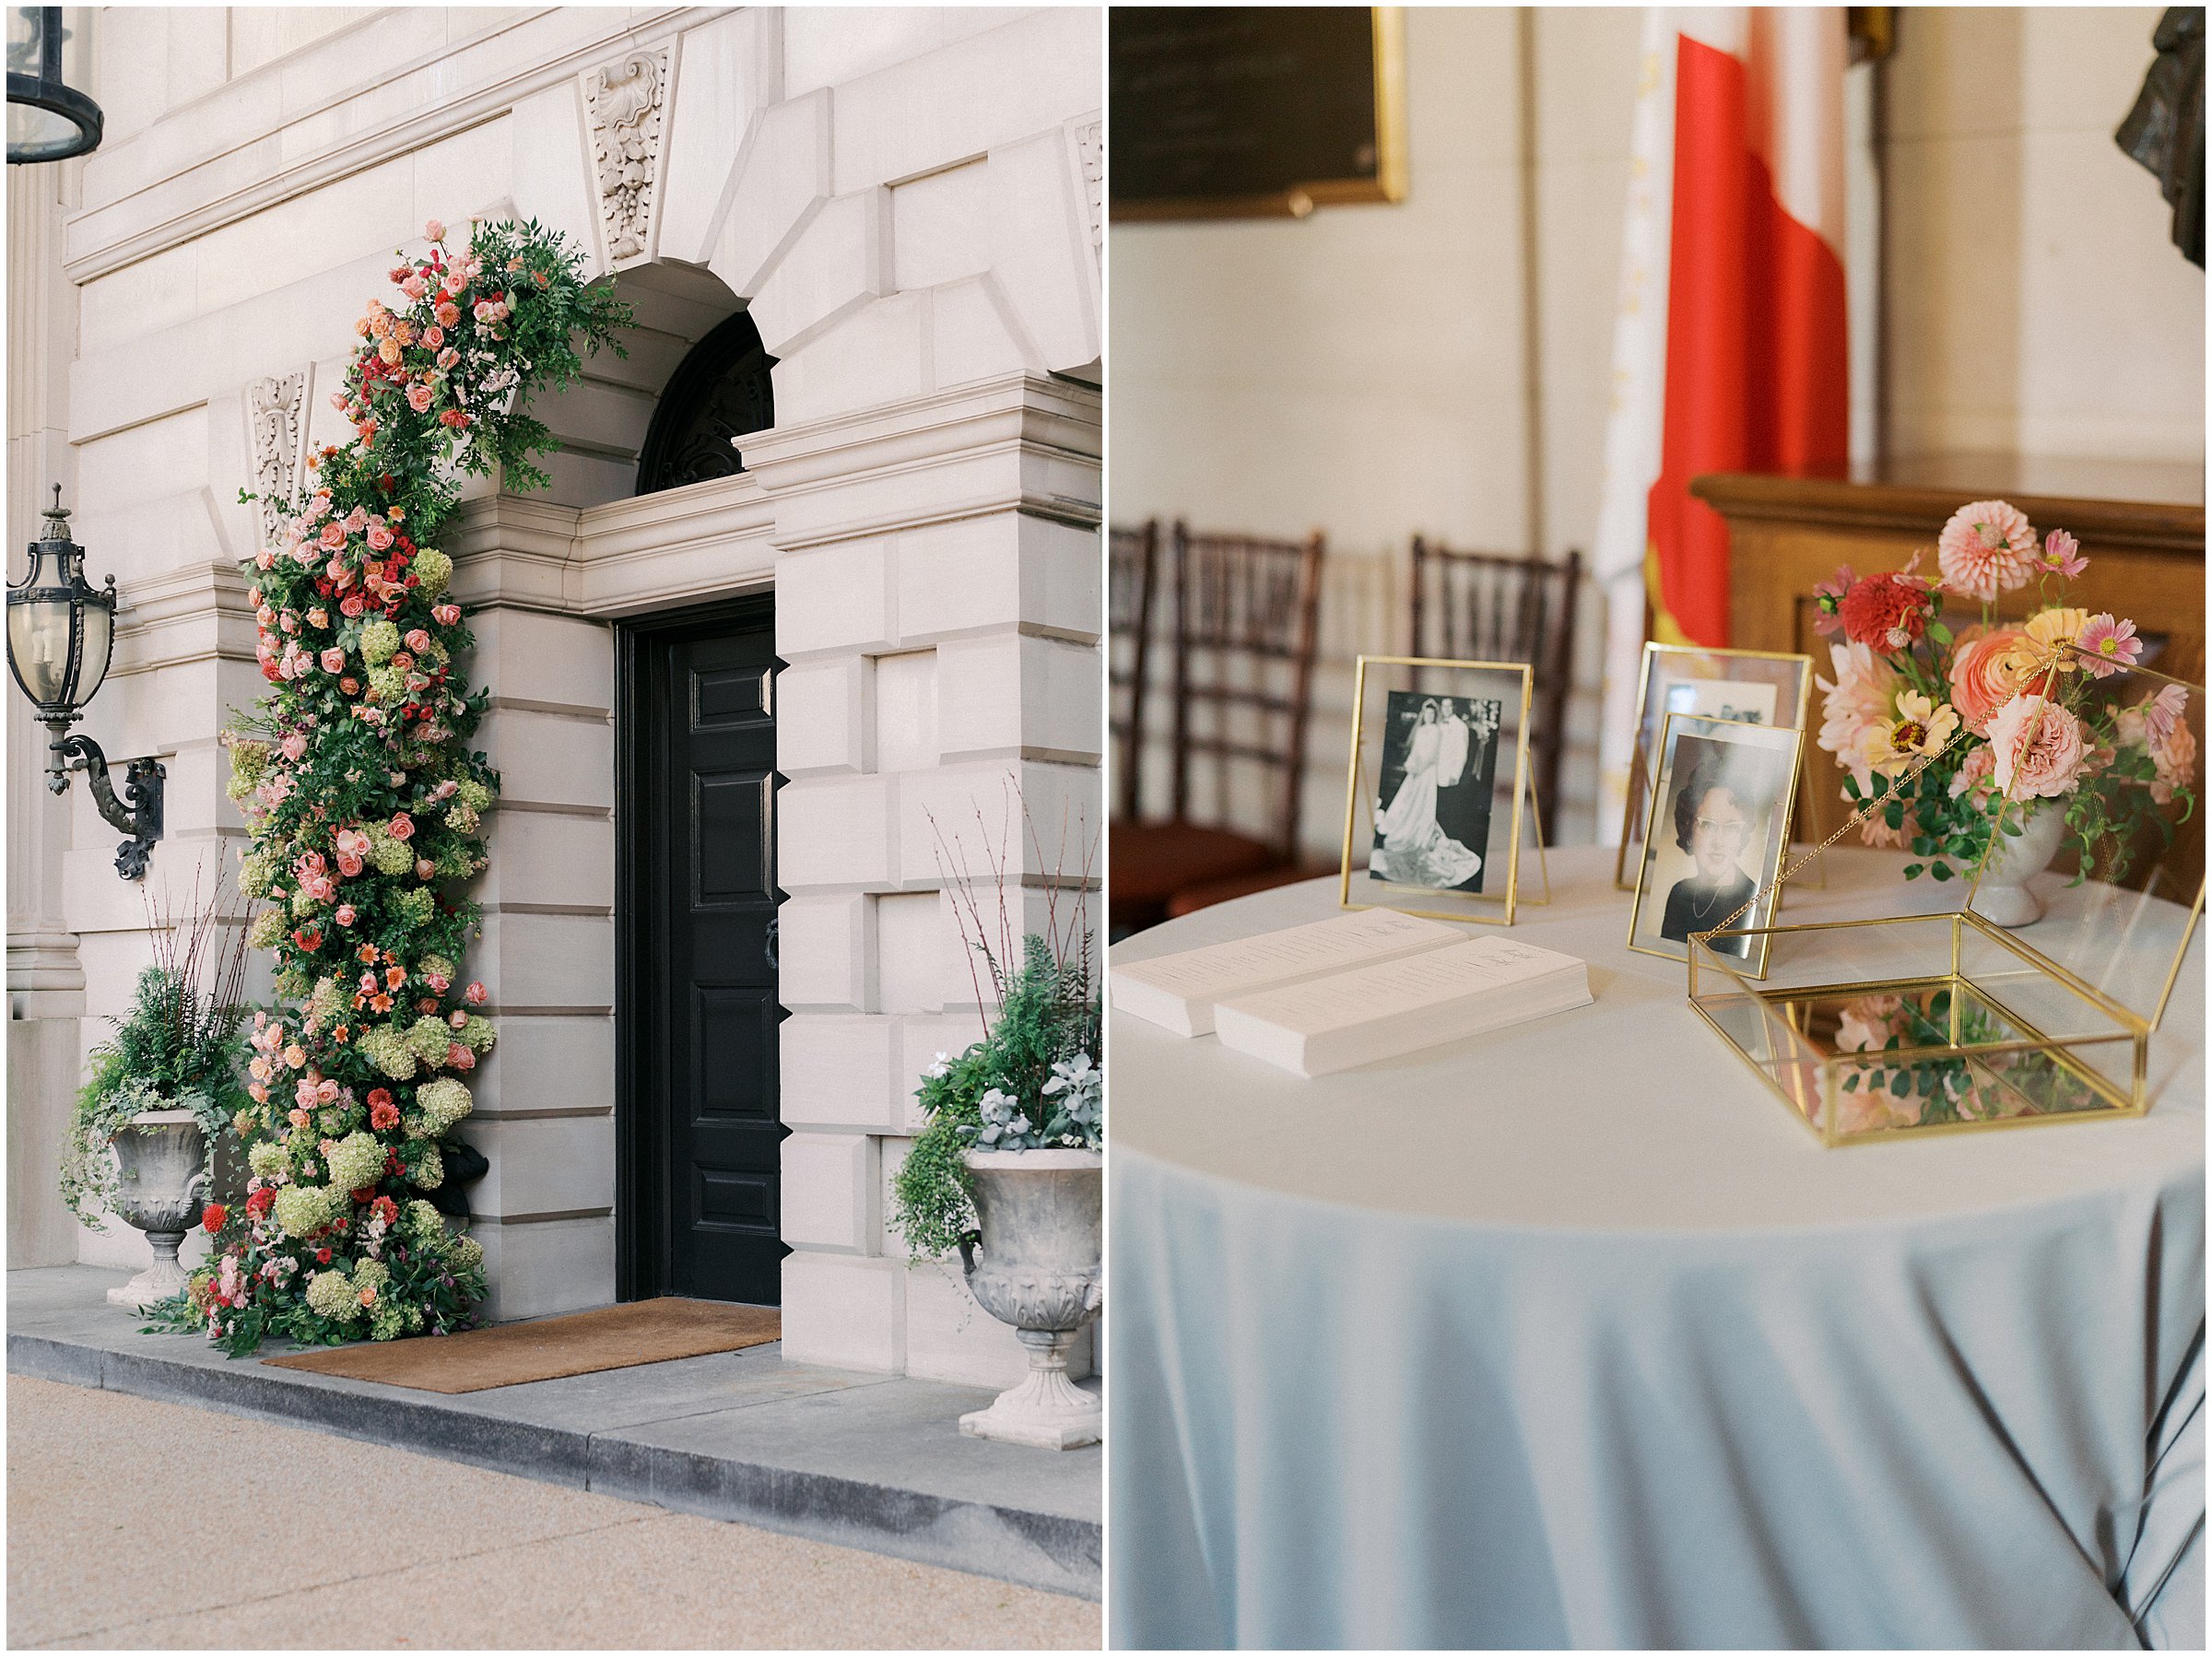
[61, 633]
[48, 119]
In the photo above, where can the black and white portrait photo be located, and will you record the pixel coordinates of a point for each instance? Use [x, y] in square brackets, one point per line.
[1719, 825]
[1432, 815]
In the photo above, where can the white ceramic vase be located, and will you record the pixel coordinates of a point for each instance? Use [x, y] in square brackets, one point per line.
[2004, 896]
[1040, 1213]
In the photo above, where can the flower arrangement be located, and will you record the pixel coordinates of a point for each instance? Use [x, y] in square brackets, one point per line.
[177, 1049]
[366, 806]
[1032, 1083]
[1936, 725]
[1938, 1083]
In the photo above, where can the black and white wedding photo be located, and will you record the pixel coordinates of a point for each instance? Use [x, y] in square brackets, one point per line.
[1440, 764]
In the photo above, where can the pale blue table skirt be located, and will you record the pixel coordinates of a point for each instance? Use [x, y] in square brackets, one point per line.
[1970, 1416]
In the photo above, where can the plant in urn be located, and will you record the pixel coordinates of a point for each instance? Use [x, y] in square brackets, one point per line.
[1008, 1170]
[156, 1108]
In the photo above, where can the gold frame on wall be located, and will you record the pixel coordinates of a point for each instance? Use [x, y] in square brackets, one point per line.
[1387, 24]
[1470, 905]
[1769, 887]
[1631, 817]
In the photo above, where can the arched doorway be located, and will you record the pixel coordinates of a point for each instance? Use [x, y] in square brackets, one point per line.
[721, 392]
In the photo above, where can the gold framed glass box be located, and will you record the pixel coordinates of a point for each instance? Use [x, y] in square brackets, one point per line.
[2036, 999]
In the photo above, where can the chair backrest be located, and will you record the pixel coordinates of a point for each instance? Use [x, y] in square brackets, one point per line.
[1247, 614]
[1133, 558]
[1481, 607]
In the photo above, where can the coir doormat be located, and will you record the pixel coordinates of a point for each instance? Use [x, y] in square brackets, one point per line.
[614, 1337]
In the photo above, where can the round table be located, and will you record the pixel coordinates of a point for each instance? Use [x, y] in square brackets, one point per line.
[1571, 1334]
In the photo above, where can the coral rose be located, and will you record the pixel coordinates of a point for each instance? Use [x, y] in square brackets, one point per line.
[420, 397]
[1987, 547]
[1988, 672]
[401, 826]
[2038, 747]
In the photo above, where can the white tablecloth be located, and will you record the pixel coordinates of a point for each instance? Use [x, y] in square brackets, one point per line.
[1571, 1334]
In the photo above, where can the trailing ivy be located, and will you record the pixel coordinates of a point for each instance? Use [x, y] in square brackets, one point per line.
[366, 803]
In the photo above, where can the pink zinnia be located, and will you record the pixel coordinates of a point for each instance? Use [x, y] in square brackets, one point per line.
[2061, 555]
[1986, 549]
[2106, 645]
[2039, 748]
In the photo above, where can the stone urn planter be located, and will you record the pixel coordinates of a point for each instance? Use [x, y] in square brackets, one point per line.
[1039, 1269]
[161, 1188]
[2004, 895]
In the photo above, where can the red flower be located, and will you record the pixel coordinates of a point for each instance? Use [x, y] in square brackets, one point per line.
[1880, 607]
[262, 1200]
[213, 1217]
[308, 938]
[322, 1256]
[384, 1115]
[386, 1210]
[363, 1194]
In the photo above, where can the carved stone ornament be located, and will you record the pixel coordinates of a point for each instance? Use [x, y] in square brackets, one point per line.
[1091, 145]
[625, 98]
[274, 407]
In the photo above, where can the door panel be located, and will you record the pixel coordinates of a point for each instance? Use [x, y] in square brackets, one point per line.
[709, 947]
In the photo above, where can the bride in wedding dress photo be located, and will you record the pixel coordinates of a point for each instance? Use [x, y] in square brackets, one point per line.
[1444, 757]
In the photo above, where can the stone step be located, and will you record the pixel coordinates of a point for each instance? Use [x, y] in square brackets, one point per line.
[860, 1460]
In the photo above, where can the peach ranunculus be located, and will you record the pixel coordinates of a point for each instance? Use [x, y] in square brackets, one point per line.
[2039, 748]
[1988, 672]
[1987, 547]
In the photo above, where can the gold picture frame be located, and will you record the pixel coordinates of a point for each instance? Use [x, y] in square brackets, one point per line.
[1387, 33]
[1635, 807]
[1384, 688]
[1738, 913]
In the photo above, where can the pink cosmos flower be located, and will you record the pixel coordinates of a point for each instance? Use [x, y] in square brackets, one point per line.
[476, 995]
[420, 397]
[2106, 645]
[446, 614]
[418, 641]
[1828, 599]
[334, 661]
[1986, 549]
[2061, 555]
[2040, 747]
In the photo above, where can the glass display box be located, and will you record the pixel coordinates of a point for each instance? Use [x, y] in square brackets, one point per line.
[2035, 998]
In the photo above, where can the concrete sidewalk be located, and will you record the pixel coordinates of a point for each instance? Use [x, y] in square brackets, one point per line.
[859, 1460]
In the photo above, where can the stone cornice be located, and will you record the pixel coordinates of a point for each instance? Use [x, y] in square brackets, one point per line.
[169, 212]
[184, 615]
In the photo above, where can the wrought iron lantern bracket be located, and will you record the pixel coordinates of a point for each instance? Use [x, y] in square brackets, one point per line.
[138, 812]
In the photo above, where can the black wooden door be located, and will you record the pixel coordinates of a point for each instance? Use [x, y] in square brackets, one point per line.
[705, 1022]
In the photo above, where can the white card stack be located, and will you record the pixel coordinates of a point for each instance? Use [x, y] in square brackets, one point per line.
[1180, 990]
[1401, 1007]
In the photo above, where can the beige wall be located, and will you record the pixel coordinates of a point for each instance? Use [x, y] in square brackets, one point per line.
[2037, 304]
[1365, 372]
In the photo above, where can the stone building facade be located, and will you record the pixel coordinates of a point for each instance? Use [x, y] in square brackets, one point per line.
[906, 206]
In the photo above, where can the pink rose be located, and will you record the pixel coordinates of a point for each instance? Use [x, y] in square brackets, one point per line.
[264, 560]
[401, 826]
[2038, 747]
[458, 1057]
[433, 336]
[446, 614]
[334, 536]
[447, 357]
[420, 397]
[353, 603]
[419, 640]
[349, 864]
[434, 231]
[344, 916]
[424, 868]
[476, 995]
[1987, 673]
[334, 661]
[414, 288]
[457, 1018]
[379, 537]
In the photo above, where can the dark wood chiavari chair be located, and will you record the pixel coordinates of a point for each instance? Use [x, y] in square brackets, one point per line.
[1480, 606]
[1132, 560]
[1247, 614]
